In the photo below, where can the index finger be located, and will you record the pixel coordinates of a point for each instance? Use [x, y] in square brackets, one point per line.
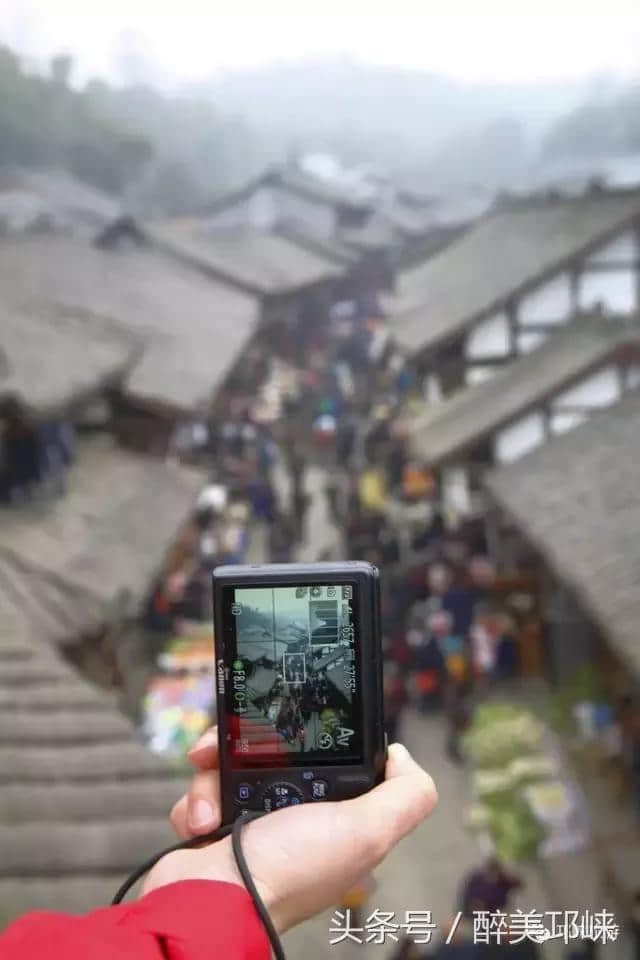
[204, 755]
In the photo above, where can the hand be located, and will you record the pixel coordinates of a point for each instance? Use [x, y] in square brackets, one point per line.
[303, 859]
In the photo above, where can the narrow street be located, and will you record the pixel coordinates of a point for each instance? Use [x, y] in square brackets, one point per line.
[425, 871]
[322, 536]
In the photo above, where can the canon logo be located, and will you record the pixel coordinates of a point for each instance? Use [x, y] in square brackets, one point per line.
[220, 676]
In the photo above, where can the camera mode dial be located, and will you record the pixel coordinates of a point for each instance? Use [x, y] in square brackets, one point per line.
[281, 794]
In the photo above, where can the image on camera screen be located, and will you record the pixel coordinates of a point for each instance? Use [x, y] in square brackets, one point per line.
[294, 680]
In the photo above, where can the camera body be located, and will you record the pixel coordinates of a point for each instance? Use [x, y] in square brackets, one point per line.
[299, 683]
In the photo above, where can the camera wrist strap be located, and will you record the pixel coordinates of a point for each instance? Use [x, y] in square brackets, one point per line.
[235, 830]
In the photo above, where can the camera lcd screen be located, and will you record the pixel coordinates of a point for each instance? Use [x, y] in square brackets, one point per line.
[292, 675]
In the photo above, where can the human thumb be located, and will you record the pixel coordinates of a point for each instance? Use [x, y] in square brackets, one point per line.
[384, 815]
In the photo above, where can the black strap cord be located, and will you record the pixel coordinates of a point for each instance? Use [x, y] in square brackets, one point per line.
[236, 831]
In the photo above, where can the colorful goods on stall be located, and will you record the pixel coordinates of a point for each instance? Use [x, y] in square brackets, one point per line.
[180, 701]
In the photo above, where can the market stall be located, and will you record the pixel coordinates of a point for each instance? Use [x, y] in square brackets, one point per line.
[180, 700]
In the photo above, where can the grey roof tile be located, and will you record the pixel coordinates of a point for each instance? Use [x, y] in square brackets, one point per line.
[466, 418]
[108, 535]
[507, 251]
[257, 261]
[578, 501]
[186, 329]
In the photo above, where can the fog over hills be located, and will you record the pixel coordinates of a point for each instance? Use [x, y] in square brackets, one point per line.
[170, 152]
[435, 132]
[393, 116]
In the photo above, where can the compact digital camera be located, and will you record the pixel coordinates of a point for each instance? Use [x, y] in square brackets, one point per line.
[299, 683]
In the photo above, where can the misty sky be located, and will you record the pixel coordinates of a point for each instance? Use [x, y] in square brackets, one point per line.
[170, 42]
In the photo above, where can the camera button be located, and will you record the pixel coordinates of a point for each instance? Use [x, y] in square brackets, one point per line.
[319, 790]
[243, 792]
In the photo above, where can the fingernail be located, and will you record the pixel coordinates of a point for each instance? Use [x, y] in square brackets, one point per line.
[201, 814]
[399, 752]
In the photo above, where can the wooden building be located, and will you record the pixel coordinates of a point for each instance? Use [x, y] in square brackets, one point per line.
[82, 801]
[186, 332]
[76, 562]
[56, 364]
[575, 504]
[277, 271]
[581, 370]
[367, 230]
[514, 278]
[288, 198]
[295, 285]
[357, 213]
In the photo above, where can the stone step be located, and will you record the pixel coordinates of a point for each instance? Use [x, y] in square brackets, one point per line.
[48, 696]
[103, 762]
[69, 848]
[39, 669]
[63, 728]
[84, 801]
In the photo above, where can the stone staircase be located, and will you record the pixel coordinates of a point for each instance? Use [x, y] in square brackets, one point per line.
[82, 801]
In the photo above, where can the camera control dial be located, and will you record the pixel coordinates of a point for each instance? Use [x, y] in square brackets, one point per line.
[281, 794]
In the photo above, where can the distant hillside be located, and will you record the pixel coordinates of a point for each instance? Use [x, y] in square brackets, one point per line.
[168, 154]
[43, 122]
[163, 153]
[386, 114]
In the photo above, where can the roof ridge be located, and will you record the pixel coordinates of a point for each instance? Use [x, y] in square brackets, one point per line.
[507, 201]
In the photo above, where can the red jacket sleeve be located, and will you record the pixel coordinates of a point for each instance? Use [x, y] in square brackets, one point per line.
[190, 920]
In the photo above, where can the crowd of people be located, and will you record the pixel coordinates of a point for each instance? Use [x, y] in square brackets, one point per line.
[346, 406]
[239, 497]
[338, 396]
[449, 635]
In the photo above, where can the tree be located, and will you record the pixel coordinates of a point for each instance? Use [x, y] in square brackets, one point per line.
[61, 67]
[171, 152]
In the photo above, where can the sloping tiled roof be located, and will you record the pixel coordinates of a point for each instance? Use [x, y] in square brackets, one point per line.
[578, 500]
[82, 802]
[298, 181]
[333, 192]
[334, 250]
[508, 251]
[51, 361]
[105, 539]
[372, 236]
[254, 260]
[56, 195]
[469, 416]
[190, 329]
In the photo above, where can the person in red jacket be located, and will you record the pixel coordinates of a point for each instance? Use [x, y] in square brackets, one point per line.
[194, 905]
